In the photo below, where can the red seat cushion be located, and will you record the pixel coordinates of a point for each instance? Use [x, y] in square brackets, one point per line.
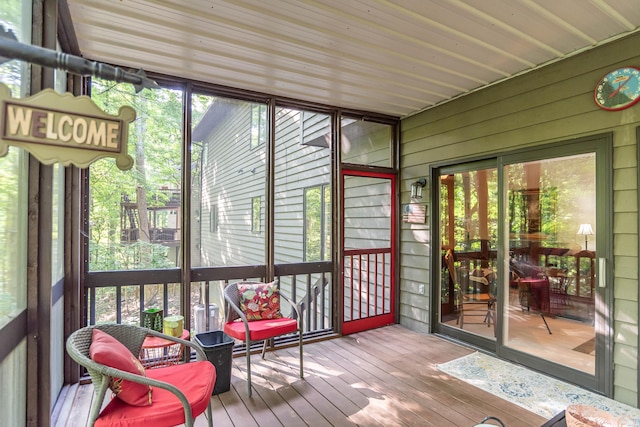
[261, 329]
[108, 351]
[195, 380]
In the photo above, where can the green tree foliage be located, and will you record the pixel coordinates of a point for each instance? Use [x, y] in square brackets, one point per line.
[155, 141]
[13, 169]
[312, 218]
[546, 201]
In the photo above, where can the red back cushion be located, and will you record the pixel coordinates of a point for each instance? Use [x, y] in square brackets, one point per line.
[260, 301]
[108, 351]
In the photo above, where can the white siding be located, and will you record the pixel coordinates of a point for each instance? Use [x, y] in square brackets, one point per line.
[298, 166]
[232, 174]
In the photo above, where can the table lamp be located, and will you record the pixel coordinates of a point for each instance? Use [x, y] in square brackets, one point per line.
[585, 230]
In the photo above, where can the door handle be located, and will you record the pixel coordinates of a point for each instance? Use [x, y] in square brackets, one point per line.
[602, 269]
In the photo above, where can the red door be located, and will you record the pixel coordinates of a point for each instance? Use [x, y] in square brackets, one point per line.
[368, 250]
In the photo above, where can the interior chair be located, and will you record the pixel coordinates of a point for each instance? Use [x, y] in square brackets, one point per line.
[481, 304]
[166, 396]
[558, 288]
[263, 324]
[526, 275]
[488, 297]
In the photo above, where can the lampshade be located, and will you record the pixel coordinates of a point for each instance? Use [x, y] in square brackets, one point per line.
[585, 230]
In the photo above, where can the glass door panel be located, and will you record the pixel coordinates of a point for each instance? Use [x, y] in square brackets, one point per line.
[549, 286]
[469, 231]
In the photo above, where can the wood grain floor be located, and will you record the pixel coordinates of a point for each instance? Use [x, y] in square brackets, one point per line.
[384, 377]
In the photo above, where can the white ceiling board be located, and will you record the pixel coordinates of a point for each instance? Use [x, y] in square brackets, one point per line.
[394, 57]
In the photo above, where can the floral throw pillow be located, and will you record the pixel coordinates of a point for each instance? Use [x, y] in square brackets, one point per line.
[107, 350]
[260, 301]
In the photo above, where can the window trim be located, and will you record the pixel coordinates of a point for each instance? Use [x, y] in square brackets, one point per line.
[323, 223]
[256, 139]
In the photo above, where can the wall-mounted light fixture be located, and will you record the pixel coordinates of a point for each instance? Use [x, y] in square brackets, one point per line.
[585, 230]
[416, 188]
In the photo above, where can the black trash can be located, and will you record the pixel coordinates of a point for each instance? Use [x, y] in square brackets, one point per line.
[218, 347]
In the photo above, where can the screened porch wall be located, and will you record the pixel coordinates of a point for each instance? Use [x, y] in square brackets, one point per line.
[554, 103]
[234, 174]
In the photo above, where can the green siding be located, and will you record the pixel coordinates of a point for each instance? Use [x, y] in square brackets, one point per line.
[553, 103]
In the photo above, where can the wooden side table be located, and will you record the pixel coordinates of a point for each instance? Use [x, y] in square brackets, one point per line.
[157, 352]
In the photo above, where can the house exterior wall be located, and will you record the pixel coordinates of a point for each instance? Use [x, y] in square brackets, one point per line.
[298, 166]
[232, 177]
[552, 104]
[229, 183]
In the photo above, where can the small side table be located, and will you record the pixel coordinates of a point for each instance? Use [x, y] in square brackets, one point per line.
[157, 352]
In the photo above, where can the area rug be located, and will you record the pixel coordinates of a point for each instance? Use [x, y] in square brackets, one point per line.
[533, 391]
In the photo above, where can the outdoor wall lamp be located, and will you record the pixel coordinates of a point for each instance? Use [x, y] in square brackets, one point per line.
[585, 230]
[416, 188]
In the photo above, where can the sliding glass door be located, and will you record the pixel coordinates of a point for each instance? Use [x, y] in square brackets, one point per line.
[549, 234]
[469, 238]
[524, 241]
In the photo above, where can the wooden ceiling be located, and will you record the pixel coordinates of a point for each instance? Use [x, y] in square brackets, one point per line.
[394, 57]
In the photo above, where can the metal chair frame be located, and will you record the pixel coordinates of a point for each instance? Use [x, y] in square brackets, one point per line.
[233, 312]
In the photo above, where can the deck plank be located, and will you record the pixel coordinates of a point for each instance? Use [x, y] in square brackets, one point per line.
[79, 413]
[398, 387]
[66, 398]
[384, 377]
[326, 379]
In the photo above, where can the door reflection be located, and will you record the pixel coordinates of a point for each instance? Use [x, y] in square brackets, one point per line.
[549, 312]
[469, 230]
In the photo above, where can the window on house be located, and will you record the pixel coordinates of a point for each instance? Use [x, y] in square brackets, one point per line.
[317, 224]
[255, 214]
[213, 223]
[258, 125]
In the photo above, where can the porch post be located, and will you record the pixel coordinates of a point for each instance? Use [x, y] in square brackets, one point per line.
[39, 295]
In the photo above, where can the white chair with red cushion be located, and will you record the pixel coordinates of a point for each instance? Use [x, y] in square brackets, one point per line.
[253, 314]
[166, 396]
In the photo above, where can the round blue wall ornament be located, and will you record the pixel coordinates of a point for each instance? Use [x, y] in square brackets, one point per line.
[618, 89]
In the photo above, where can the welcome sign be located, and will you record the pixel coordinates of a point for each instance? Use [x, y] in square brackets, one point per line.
[63, 128]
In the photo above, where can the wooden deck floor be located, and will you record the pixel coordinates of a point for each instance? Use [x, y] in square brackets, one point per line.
[384, 377]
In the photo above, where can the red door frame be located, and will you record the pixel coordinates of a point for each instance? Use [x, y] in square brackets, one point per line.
[376, 320]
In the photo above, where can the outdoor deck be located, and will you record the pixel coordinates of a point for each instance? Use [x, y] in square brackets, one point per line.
[383, 377]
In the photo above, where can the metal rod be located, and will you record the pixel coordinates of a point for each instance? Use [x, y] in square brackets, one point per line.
[11, 48]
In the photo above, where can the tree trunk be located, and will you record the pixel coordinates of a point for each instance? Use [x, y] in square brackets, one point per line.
[141, 188]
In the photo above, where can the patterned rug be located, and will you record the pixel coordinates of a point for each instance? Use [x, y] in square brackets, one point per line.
[535, 392]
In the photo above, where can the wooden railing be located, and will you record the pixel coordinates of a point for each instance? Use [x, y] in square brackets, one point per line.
[367, 283]
[122, 296]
